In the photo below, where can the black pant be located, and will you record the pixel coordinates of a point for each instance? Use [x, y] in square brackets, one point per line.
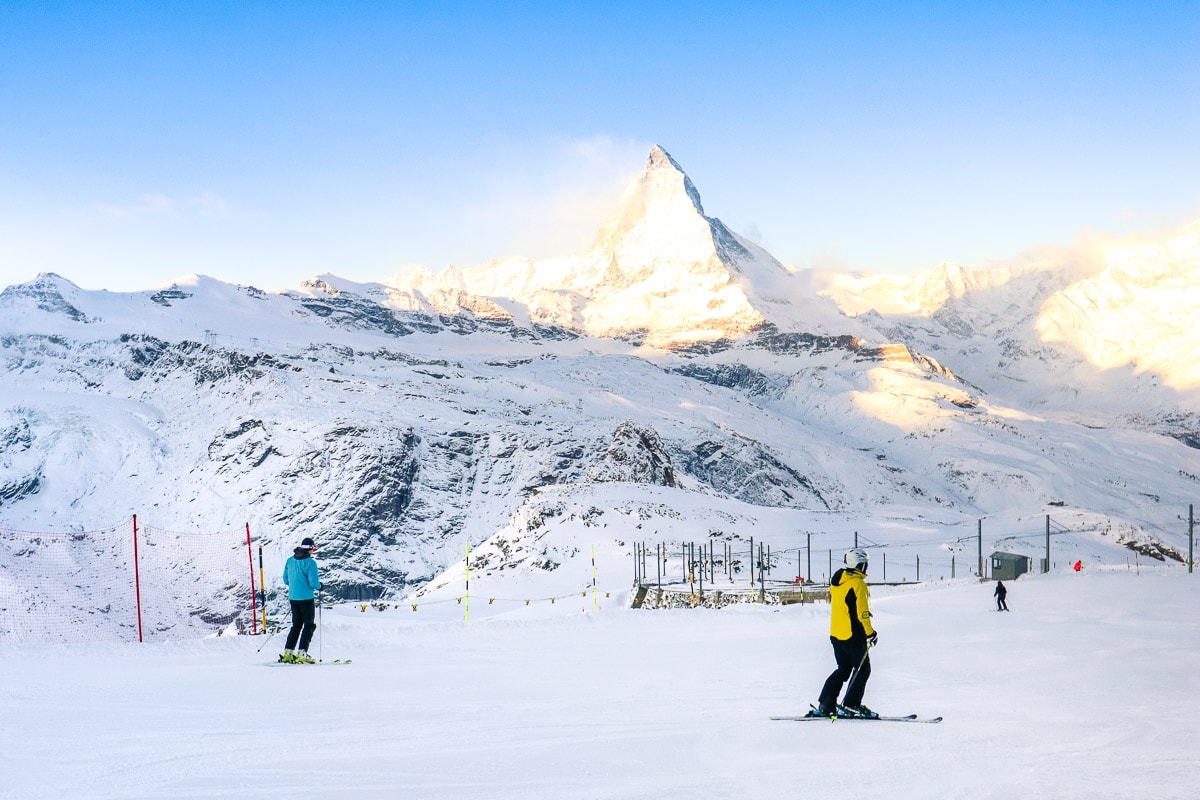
[304, 622]
[849, 654]
[1000, 604]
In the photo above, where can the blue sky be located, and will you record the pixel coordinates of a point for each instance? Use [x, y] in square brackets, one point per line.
[264, 143]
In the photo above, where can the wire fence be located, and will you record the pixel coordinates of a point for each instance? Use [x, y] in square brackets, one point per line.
[125, 583]
[718, 572]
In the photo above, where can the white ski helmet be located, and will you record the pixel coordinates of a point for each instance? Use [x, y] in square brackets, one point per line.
[856, 559]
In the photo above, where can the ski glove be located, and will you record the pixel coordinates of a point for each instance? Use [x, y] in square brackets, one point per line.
[872, 640]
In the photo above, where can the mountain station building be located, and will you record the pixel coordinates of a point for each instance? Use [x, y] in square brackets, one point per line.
[1008, 566]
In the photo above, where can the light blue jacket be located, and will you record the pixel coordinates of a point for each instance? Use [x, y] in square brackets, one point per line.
[300, 575]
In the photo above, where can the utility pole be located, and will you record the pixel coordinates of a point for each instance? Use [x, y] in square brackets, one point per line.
[752, 565]
[980, 549]
[1047, 569]
[808, 575]
[1191, 536]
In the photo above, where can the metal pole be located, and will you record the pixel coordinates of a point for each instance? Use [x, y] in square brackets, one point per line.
[980, 549]
[1191, 536]
[751, 565]
[809, 574]
[1047, 569]
[854, 674]
[137, 578]
[762, 577]
[691, 571]
[253, 594]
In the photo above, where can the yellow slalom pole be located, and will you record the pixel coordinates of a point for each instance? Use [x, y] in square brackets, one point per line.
[263, 587]
[467, 613]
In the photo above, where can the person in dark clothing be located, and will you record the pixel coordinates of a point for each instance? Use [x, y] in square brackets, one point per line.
[301, 576]
[1001, 593]
[852, 635]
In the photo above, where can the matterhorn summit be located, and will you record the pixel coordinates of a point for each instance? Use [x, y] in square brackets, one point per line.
[659, 271]
[660, 265]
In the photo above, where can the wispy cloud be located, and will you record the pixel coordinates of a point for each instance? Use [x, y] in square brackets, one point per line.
[553, 200]
[206, 204]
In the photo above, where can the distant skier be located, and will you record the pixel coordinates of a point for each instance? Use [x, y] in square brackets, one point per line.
[852, 635]
[301, 576]
[1001, 593]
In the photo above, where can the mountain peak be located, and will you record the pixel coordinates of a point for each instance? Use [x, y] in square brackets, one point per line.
[664, 173]
[663, 196]
[658, 267]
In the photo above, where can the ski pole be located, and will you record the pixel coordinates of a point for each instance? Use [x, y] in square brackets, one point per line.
[269, 638]
[854, 675]
[320, 630]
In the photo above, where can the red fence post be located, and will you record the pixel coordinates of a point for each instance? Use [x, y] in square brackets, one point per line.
[137, 578]
[253, 594]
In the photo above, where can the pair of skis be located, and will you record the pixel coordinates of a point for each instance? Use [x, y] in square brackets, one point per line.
[814, 715]
[817, 717]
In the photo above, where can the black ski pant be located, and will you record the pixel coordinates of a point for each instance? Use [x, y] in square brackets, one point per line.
[849, 654]
[304, 622]
[1000, 604]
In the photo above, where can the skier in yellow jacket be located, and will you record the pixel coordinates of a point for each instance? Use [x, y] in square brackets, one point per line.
[852, 635]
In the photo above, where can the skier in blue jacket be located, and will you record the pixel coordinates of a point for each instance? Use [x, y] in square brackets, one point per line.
[302, 578]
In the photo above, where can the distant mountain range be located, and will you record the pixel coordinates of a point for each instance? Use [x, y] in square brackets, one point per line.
[398, 421]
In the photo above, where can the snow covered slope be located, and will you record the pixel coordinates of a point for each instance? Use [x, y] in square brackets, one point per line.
[623, 703]
[398, 422]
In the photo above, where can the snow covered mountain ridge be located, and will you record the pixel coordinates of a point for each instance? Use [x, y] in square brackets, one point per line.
[398, 421]
[659, 270]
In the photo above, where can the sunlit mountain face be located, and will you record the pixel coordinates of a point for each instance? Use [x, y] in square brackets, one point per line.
[398, 421]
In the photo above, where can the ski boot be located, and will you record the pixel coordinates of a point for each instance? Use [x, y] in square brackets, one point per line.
[814, 711]
[302, 657]
[859, 711]
[287, 657]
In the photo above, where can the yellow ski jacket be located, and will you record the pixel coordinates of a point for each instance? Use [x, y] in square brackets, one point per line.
[850, 599]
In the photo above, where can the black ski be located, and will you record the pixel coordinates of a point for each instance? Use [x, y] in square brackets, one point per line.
[335, 663]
